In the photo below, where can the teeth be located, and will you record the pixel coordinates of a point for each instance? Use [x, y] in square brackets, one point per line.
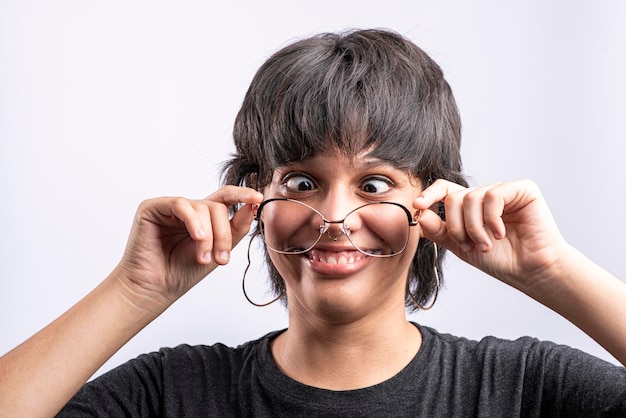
[333, 260]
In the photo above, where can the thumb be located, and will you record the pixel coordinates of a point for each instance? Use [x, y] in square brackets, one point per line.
[435, 229]
[241, 221]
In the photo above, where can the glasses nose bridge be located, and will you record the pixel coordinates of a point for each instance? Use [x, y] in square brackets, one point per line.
[345, 229]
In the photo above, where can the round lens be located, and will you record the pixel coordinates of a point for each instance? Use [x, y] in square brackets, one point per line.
[289, 226]
[379, 229]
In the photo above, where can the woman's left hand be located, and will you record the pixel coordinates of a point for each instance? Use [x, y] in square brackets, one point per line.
[505, 229]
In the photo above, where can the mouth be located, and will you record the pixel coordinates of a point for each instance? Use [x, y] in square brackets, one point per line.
[335, 257]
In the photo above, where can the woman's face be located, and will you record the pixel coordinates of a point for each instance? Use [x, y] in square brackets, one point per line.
[333, 279]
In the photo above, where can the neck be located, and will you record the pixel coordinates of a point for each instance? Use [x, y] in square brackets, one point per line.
[346, 356]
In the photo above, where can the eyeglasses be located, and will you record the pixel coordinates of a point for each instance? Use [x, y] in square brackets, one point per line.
[378, 229]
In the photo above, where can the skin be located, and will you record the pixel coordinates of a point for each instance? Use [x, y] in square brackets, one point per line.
[339, 316]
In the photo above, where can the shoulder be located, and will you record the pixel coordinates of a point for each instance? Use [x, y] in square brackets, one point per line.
[185, 376]
[528, 352]
[491, 346]
[547, 375]
[211, 357]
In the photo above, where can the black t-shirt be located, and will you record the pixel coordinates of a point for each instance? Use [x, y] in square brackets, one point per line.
[449, 376]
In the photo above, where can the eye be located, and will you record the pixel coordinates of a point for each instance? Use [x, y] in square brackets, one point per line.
[298, 183]
[376, 185]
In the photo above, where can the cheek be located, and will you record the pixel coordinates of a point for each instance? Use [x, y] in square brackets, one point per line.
[290, 233]
[411, 247]
[386, 223]
[395, 234]
[287, 266]
[414, 238]
[290, 226]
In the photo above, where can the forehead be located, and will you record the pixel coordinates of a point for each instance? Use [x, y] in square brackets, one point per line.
[334, 158]
[333, 163]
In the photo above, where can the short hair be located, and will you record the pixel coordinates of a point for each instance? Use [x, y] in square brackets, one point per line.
[352, 91]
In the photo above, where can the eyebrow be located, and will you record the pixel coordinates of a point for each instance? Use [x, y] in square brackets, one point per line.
[364, 163]
[370, 162]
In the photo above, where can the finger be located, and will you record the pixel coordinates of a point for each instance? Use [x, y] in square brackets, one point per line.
[230, 195]
[227, 235]
[221, 236]
[220, 231]
[506, 199]
[477, 228]
[183, 209]
[436, 192]
[241, 221]
[204, 246]
[215, 240]
[436, 230]
[451, 195]
[455, 219]
[196, 219]
[493, 207]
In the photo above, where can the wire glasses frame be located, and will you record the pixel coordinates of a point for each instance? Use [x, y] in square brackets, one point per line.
[412, 220]
[376, 211]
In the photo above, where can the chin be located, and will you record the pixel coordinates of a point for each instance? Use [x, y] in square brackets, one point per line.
[342, 304]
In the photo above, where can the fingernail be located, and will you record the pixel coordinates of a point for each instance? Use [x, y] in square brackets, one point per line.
[207, 257]
[467, 247]
[200, 233]
[224, 256]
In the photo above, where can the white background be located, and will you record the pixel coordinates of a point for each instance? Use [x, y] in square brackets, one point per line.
[104, 104]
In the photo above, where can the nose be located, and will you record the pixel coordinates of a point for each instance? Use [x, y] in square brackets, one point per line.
[336, 204]
[335, 212]
[334, 230]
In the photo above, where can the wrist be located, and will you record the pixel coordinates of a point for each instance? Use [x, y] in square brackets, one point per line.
[140, 300]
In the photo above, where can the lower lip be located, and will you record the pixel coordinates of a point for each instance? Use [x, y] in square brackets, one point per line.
[337, 269]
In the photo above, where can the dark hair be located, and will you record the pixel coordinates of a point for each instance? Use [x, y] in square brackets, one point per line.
[352, 91]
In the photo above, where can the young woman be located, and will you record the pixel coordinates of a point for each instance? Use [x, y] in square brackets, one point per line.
[348, 159]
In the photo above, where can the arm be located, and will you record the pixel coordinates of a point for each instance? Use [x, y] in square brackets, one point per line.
[173, 244]
[507, 230]
[593, 300]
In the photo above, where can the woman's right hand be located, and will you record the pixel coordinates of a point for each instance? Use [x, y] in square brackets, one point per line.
[175, 242]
